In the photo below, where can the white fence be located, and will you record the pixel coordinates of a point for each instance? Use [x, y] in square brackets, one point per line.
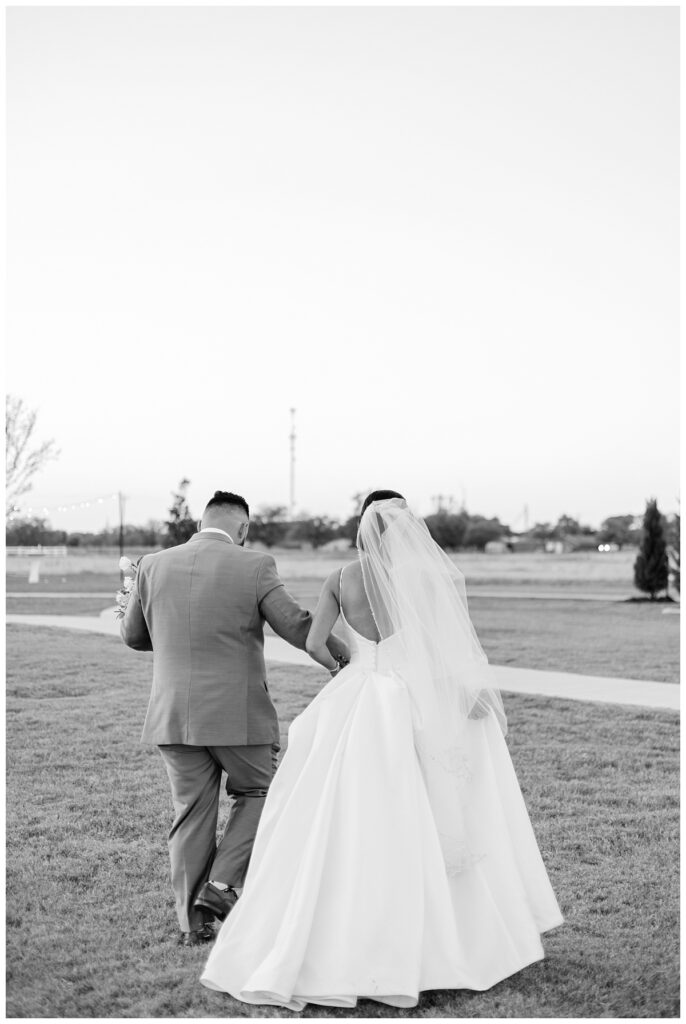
[39, 549]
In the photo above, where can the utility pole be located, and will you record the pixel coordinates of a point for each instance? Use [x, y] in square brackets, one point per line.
[443, 502]
[291, 506]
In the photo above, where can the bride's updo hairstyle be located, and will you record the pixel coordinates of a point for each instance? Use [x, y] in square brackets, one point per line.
[374, 496]
[379, 496]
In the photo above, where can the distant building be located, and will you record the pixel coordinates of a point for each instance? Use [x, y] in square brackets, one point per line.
[497, 547]
[571, 543]
[525, 545]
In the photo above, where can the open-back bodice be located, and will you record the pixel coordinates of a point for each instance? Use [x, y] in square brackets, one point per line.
[378, 655]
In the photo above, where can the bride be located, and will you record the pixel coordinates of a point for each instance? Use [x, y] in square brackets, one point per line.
[394, 853]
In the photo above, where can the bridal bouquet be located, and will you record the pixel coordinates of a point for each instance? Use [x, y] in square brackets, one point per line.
[124, 593]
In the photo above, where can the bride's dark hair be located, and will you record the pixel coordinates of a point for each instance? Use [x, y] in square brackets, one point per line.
[378, 496]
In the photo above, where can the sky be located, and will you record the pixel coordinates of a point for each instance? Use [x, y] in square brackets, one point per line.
[448, 237]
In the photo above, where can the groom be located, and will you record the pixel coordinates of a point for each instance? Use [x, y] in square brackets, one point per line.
[201, 608]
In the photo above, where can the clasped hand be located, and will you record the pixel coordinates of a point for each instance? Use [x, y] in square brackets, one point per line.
[479, 709]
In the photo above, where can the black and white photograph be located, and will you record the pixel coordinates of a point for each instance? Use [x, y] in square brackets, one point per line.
[342, 511]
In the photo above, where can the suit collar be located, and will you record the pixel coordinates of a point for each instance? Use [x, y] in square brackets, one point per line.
[217, 529]
[212, 536]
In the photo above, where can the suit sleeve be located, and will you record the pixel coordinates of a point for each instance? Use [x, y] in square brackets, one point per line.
[134, 629]
[284, 615]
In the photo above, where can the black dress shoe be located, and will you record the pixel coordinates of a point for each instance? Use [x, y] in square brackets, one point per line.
[217, 901]
[197, 937]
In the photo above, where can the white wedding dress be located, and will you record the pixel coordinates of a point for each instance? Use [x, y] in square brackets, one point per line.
[347, 895]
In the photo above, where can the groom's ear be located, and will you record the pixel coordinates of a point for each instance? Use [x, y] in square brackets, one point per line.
[243, 532]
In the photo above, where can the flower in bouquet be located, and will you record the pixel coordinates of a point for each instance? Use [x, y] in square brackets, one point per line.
[129, 571]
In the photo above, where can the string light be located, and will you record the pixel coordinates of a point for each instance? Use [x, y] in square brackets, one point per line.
[18, 510]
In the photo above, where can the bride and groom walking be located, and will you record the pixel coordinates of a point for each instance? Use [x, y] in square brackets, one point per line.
[392, 852]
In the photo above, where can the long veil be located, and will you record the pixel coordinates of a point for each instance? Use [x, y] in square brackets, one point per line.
[418, 595]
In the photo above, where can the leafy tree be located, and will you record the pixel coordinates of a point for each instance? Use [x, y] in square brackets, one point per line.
[316, 530]
[30, 532]
[351, 524]
[180, 526]
[567, 524]
[448, 529]
[480, 531]
[269, 525]
[566, 528]
[616, 530]
[651, 568]
[543, 531]
[25, 532]
[153, 534]
[349, 529]
[149, 535]
[23, 457]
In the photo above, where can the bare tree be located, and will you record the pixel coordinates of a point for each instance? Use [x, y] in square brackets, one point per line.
[23, 456]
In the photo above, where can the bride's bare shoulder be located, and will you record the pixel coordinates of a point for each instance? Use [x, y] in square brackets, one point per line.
[353, 580]
[332, 580]
[350, 572]
[351, 569]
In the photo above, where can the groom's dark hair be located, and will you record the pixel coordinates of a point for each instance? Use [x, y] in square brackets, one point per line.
[378, 496]
[224, 498]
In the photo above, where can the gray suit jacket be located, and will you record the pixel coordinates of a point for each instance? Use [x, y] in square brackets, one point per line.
[201, 608]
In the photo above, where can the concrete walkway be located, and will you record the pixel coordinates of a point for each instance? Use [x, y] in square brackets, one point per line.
[637, 692]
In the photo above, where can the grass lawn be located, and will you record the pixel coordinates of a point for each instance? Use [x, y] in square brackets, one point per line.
[91, 929]
[58, 605]
[585, 570]
[69, 583]
[603, 638]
